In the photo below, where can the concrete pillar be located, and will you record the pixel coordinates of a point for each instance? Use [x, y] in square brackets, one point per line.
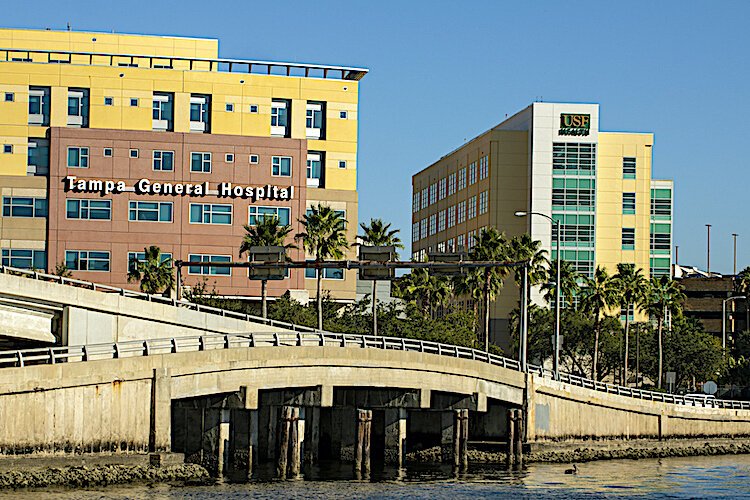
[160, 435]
[326, 396]
[425, 397]
[395, 435]
[222, 462]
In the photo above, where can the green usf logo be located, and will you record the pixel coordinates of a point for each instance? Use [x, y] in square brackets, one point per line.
[574, 124]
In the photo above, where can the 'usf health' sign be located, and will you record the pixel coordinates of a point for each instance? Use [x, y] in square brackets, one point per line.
[574, 124]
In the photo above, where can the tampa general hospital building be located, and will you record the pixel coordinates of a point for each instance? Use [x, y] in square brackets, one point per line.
[550, 158]
[112, 143]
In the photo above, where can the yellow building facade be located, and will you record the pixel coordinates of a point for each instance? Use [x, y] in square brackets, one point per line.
[552, 159]
[165, 87]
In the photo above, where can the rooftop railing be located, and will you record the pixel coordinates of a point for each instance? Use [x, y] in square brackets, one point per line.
[239, 66]
[298, 336]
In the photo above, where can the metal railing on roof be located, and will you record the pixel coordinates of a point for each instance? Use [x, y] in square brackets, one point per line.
[151, 298]
[240, 66]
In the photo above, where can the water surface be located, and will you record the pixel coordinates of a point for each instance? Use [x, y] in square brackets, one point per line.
[698, 477]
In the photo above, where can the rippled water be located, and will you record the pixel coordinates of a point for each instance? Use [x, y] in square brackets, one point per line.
[699, 477]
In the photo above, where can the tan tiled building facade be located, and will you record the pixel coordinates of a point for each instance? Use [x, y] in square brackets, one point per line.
[112, 143]
[549, 158]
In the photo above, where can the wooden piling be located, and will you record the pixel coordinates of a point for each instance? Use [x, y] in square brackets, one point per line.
[464, 448]
[456, 438]
[362, 448]
[510, 454]
[518, 448]
[366, 444]
[284, 423]
[294, 452]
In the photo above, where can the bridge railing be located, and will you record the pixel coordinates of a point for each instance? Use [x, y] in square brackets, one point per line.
[151, 298]
[137, 348]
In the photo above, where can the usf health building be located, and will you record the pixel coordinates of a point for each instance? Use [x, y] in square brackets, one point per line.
[111, 143]
[549, 158]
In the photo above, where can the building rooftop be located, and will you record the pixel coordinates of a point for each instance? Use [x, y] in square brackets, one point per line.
[149, 51]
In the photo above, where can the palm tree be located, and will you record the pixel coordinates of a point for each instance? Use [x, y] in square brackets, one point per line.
[568, 283]
[598, 294]
[266, 233]
[323, 237]
[632, 289]
[743, 287]
[491, 245]
[471, 287]
[664, 296]
[524, 249]
[154, 272]
[424, 290]
[378, 234]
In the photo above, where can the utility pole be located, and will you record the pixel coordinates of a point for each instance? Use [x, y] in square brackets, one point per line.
[734, 268]
[708, 249]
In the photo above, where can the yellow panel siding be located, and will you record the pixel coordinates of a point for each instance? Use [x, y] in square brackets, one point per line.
[610, 187]
[81, 41]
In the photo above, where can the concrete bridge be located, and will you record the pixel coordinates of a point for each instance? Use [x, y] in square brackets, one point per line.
[216, 388]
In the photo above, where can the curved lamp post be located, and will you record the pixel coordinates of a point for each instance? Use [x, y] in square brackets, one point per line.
[556, 359]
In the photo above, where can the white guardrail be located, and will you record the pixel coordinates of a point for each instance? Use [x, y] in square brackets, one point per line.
[299, 336]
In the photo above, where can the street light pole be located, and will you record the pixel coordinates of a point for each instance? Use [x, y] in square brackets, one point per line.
[734, 268]
[556, 358]
[724, 321]
[524, 340]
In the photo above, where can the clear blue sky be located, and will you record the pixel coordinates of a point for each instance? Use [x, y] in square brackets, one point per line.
[441, 72]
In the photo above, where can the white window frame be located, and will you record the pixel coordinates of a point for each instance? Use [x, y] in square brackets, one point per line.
[135, 205]
[229, 158]
[84, 206]
[451, 216]
[83, 152]
[111, 152]
[255, 208]
[134, 102]
[133, 153]
[162, 122]
[313, 110]
[276, 162]
[163, 257]
[160, 160]
[109, 101]
[202, 124]
[200, 256]
[79, 119]
[87, 258]
[206, 159]
[42, 118]
[276, 129]
[313, 156]
[207, 210]
[254, 159]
